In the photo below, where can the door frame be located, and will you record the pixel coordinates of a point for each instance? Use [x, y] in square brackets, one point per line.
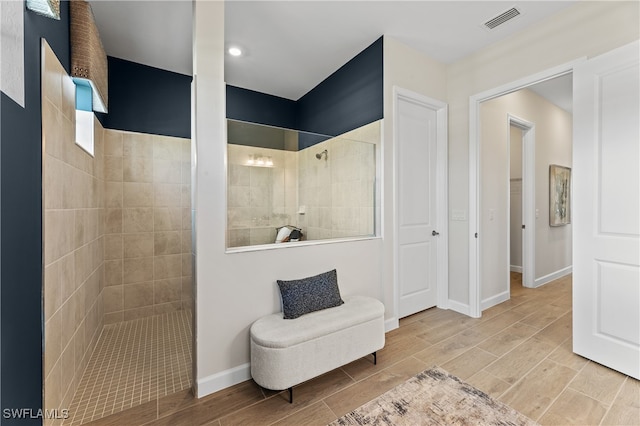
[442, 167]
[528, 200]
[475, 284]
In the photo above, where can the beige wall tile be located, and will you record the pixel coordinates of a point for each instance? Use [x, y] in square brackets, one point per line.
[186, 218]
[187, 288]
[164, 308]
[138, 270]
[54, 182]
[138, 194]
[52, 289]
[138, 169]
[113, 317]
[113, 272]
[166, 148]
[113, 247]
[131, 314]
[59, 234]
[113, 169]
[169, 242]
[167, 218]
[168, 290]
[167, 266]
[68, 321]
[113, 299]
[187, 260]
[167, 195]
[185, 195]
[52, 341]
[113, 142]
[138, 245]
[167, 171]
[68, 98]
[113, 221]
[138, 295]
[186, 242]
[137, 145]
[139, 219]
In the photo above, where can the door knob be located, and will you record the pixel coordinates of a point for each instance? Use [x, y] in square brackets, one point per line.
[434, 233]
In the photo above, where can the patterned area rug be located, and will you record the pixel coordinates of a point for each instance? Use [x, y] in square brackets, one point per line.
[434, 397]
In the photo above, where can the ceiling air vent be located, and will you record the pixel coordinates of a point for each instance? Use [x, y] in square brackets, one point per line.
[502, 18]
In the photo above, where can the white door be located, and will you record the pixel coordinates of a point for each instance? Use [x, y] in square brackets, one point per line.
[606, 213]
[416, 249]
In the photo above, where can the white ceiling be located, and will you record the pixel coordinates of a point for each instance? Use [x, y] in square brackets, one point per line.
[291, 46]
[558, 91]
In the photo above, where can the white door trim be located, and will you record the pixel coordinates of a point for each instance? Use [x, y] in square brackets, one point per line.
[528, 200]
[474, 168]
[442, 201]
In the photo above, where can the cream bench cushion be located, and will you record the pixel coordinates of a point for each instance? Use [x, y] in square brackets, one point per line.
[285, 353]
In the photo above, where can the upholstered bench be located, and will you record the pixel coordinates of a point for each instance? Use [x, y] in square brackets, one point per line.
[287, 352]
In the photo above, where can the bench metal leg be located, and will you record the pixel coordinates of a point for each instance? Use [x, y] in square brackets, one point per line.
[375, 358]
[291, 395]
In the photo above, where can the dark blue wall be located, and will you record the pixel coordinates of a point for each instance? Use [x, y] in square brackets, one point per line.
[147, 100]
[21, 221]
[349, 98]
[256, 107]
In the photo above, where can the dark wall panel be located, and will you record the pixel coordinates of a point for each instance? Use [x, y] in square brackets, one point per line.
[349, 98]
[256, 107]
[147, 100]
[21, 221]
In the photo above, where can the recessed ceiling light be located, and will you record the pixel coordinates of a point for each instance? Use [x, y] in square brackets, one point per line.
[235, 51]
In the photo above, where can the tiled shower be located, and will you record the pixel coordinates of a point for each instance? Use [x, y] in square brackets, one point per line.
[117, 252]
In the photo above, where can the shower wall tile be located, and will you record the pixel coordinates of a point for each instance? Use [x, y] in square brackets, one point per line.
[168, 218]
[137, 194]
[154, 198]
[138, 245]
[73, 189]
[138, 219]
[113, 248]
[137, 169]
[137, 270]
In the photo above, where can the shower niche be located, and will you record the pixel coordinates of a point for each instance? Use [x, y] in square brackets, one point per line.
[285, 187]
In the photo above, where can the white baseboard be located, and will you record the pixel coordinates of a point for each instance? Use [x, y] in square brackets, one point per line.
[223, 379]
[516, 268]
[553, 276]
[494, 300]
[391, 324]
[461, 308]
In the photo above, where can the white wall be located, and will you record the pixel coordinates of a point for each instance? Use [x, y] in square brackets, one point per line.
[406, 68]
[235, 289]
[586, 29]
[553, 139]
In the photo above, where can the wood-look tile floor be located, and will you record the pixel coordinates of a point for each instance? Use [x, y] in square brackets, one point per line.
[519, 352]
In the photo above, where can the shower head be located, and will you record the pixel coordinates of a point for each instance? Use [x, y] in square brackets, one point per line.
[325, 153]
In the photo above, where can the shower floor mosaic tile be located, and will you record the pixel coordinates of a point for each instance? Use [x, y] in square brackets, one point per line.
[135, 362]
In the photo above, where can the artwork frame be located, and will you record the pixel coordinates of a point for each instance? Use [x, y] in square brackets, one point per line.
[559, 195]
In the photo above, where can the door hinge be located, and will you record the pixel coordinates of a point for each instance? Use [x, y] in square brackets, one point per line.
[523, 226]
[476, 235]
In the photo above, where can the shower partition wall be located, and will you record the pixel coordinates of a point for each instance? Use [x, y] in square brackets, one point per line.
[327, 190]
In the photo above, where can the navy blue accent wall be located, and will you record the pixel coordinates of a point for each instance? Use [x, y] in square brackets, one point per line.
[349, 98]
[147, 100]
[21, 221]
[256, 107]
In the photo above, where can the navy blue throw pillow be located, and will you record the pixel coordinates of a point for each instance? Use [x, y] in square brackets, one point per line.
[310, 294]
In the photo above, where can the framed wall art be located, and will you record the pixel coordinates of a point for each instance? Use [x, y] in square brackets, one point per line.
[559, 195]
